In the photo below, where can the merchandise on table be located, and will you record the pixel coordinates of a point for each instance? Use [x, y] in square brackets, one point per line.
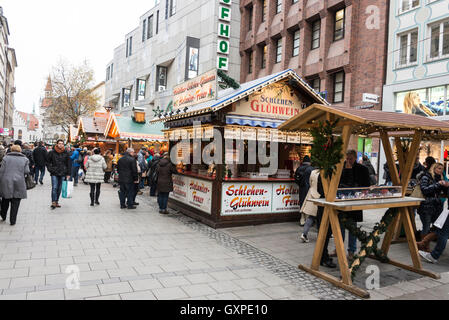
[346, 194]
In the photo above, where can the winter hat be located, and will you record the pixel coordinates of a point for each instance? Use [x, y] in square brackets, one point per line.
[306, 159]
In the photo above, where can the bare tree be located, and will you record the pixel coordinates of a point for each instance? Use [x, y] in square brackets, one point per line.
[73, 95]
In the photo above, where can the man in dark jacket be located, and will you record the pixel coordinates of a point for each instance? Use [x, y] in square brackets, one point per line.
[165, 171]
[152, 174]
[26, 150]
[128, 176]
[59, 165]
[302, 177]
[40, 159]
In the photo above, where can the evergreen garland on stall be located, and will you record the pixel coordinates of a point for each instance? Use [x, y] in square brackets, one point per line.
[228, 81]
[326, 151]
[370, 241]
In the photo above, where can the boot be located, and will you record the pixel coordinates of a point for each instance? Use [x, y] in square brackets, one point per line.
[424, 245]
[92, 200]
[97, 197]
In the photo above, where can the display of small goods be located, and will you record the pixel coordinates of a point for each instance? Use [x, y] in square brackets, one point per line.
[348, 194]
[283, 174]
[212, 171]
[181, 167]
[294, 155]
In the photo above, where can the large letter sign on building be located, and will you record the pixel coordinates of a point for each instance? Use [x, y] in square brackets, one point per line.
[224, 34]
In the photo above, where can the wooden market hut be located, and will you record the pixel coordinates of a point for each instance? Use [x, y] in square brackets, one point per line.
[366, 122]
[91, 131]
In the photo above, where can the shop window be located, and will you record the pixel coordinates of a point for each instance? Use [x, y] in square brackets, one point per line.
[428, 102]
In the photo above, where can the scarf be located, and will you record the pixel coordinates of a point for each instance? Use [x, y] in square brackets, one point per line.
[58, 149]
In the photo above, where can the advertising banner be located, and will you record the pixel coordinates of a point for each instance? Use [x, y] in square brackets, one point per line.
[285, 197]
[193, 192]
[245, 198]
[198, 90]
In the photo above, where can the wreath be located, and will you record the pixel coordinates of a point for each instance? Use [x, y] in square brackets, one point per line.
[327, 149]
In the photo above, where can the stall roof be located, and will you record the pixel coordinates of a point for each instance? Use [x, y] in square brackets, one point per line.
[95, 125]
[363, 121]
[127, 128]
[229, 96]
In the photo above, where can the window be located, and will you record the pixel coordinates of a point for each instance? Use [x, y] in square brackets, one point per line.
[408, 50]
[112, 70]
[126, 94]
[439, 43]
[296, 43]
[279, 50]
[339, 86]
[129, 47]
[20, 135]
[278, 6]
[144, 30]
[141, 88]
[264, 10]
[172, 7]
[264, 56]
[157, 22]
[250, 62]
[294, 1]
[406, 5]
[428, 102]
[108, 72]
[250, 19]
[316, 84]
[150, 27]
[316, 31]
[339, 27]
[161, 82]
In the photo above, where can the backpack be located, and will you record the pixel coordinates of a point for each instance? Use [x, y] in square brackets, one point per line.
[80, 159]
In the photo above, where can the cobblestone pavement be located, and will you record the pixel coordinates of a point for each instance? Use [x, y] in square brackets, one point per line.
[140, 254]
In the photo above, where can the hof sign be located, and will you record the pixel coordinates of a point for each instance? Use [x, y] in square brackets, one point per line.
[224, 34]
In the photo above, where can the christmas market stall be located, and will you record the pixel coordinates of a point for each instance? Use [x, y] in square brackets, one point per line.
[332, 128]
[134, 132]
[91, 132]
[220, 141]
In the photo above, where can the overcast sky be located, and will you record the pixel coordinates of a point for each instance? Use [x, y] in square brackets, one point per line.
[43, 31]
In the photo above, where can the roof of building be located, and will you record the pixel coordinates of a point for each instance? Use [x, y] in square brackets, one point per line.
[30, 119]
[49, 86]
[229, 96]
[94, 125]
[119, 127]
[363, 121]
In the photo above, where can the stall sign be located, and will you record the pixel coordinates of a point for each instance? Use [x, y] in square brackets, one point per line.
[276, 101]
[285, 197]
[293, 138]
[199, 195]
[198, 133]
[263, 135]
[198, 90]
[208, 133]
[180, 188]
[245, 198]
[249, 134]
[232, 133]
[278, 136]
[224, 34]
[306, 138]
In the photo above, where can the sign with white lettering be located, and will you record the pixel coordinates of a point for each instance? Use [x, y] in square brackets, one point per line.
[370, 98]
[285, 197]
[242, 198]
[193, 192]
[198, 90]
[224, 34]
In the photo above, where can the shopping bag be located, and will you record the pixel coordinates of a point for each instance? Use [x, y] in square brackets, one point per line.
[69, 189]
[442, 218]
[64, 189]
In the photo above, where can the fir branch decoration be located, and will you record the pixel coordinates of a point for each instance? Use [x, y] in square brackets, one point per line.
[369, 242]
[327, 149]
[230, 83]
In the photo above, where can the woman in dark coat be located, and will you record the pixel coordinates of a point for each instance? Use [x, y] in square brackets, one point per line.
[165, 170]
[13, 188]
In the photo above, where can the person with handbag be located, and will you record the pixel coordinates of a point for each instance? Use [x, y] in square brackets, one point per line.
[13, 189]
[309, 208]
[59, 165]
[95, 166]
[153, 175]
[432, 185]
[165, 170]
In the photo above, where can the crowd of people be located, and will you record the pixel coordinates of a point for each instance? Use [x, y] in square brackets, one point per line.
[131, 170]
[429, 178]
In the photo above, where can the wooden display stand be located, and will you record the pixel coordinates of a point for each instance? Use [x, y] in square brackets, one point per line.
[352, 122]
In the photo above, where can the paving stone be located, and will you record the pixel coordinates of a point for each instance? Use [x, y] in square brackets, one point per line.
[27, 282]
[46, 295]
[83, 292]
[198, 290]
[174, 281]
[141, 295]
[125, 272]
[224, 275]
[43, 271]
[169, 293]
[392, 292]
[115, 288]
[20, 296]
[253, 294]
[148, 284]
[250, 284]
[109, 297]
[199, 278]
[223, 297]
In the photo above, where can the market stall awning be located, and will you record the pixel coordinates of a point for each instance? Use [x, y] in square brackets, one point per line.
[229, 96]
[364, 121]
[123, 128]
[253, 122]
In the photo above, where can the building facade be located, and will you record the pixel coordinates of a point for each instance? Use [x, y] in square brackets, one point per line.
[26, 127]
[337, 46]
[418, 64]
[175, 41]
[50, 133]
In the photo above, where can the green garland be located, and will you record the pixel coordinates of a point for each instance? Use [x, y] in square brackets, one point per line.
[327, 149]
[229, 82]
[370, 241]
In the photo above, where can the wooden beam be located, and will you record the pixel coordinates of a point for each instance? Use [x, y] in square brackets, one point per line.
[390, 159]
[338, 283]
[401, 156]
[423, 272]
[413, 247]
[340, 247]
[322, 234]
[411, 158]
[390, 234]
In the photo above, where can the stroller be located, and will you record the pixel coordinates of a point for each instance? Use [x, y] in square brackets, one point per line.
[115, 176]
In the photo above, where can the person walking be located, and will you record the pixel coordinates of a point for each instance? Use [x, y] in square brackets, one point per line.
[302, 176]
[108, 157]
[141, 158]
[432, 185]
[152, 175]
[165, 171]
[95, 166]
[59, 165]
[26, 150]
[77, 162]
[127, 176]
[13, 190]
[40, 156]
[354, 175]
[2, 153]
[372, 172]
[309, 208]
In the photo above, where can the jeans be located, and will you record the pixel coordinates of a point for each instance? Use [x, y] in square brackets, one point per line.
[162, 200]
[443, 236]
[56, 188]
[153, 189]
[38, 169]
[426, 220]
[309, 222]
[15, 203]
[352, 238]
[127, 191]
[142, 183]
[75, 175]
